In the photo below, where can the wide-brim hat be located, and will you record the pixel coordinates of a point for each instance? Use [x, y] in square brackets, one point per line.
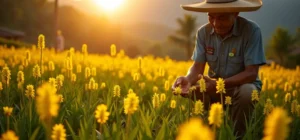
[217, 6]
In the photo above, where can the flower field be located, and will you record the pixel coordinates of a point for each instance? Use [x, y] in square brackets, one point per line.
[77, 95]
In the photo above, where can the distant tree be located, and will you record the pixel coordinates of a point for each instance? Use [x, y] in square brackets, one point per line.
[185, 35]
[156, 50]
[132, 51]
[279, 45]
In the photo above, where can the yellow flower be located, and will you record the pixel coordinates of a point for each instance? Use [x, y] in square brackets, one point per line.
[84, 49]
[6, 75]
[73, 77]
[29, 92]
[78, 68]
[7, 110]
[117, 91]
[192, 88]
[190, 131]
[155, 100]
[254, 95]
[101, 114]
[286, 86]
[202, 85]
[221, 86]
[173, 104]
[275, 95]
[20, 77]
[228, 100]
[199, 108]
[28, 55]
[103, 85]
[294, 93]
[61, 98]
[47, 102]
[136, 76]
[41, 41]
[294, 106]
[162, 97]
[87, 73]
[140, 60]
[178, 90]
[94, 71]
[268, 107]
[130, 91]
[182, 107]
[277, 125]
[1, 87]
[92, 84]
[142, 85]
[9, 135]
[161, 72]
[155, 89]
[167, 85]
[36, 71]
[59, 80]
[51, 66]
[58, 132]
[287, 97]
[52, 82]
[216, 114]
[113, 50]
[131, 103]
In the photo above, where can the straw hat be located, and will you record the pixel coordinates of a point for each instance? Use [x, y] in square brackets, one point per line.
[217, 6]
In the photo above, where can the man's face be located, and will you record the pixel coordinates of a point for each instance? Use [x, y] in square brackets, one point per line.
[222, 22]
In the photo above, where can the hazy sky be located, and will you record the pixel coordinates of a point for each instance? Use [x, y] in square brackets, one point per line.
[135, 11]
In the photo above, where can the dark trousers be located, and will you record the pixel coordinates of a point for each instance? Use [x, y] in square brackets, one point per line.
[241, 107]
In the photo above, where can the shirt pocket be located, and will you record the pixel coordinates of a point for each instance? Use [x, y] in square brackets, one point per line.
[235, 65]
[212, 61]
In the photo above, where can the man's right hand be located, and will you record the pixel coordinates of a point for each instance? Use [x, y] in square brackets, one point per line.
[183, 83]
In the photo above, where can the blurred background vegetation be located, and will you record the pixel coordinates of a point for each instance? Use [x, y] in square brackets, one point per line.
[33, 17]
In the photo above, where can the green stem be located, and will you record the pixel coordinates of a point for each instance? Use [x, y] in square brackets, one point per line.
[221, 99]
[30, 116]
[7, 119]
[127, 125]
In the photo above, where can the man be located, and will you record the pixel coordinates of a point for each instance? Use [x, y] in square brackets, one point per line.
[232, 47]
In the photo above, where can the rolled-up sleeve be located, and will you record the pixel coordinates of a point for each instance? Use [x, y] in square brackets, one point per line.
[254, 52]
[199, 50]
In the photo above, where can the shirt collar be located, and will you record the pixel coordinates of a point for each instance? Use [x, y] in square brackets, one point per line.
[235, 31]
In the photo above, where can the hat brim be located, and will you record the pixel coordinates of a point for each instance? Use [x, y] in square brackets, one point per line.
[236, 6]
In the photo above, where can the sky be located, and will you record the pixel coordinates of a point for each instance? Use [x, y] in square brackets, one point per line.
[135, 11]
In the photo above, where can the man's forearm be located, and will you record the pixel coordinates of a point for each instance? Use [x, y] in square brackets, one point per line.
[192, 75]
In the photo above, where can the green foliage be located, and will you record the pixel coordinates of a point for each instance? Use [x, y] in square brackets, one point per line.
[282, 47]
[16, 44]
[185, 35]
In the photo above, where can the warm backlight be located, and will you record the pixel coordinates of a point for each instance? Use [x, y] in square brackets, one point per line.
[109, 5]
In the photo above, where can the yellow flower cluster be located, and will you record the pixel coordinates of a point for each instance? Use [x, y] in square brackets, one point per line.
[9, 135]
[199, 108]
[47, 101]
[131, 103]
[216, 114]
[101, 114]
[194, 129]
[58, 132]
[7, 110]
[277, 125]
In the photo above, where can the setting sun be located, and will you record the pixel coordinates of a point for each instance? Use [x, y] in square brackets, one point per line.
[109, 5]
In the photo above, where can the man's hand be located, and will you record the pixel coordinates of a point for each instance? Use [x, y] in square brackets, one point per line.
[183, 83]
[210, 84]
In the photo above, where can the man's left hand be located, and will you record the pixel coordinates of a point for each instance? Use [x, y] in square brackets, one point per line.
[210, 84]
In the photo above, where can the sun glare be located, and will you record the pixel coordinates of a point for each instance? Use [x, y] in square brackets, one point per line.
[109, 5]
